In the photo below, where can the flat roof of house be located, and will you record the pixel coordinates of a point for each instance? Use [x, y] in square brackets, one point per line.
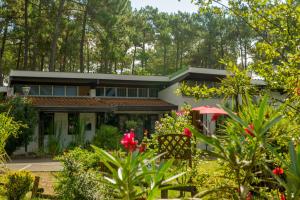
[96, 78]
[99, 78]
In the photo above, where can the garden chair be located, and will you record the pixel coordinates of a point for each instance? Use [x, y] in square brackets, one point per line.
[178, 147]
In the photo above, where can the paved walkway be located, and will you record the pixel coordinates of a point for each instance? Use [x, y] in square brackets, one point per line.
[34, 165]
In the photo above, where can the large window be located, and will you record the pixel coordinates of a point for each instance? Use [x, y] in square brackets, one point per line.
[143, 92]
[153, 92]
[34, 90]
[132, 92]
[122, 92]
[100, 92]
[73, 120]
[110, 92]
[71, 91]
[58, 90]
[46, 90]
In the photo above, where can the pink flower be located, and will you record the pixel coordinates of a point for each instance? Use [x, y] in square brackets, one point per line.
[142, 148]
[215, 117]
[277, 171]
[187, 132]
[249, 130]
[128, 141]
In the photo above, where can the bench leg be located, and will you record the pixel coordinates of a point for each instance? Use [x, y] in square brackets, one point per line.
[35, 186]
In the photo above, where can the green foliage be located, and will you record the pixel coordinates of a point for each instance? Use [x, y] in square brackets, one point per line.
[54, 143]
[242, 149]
[8, 128]
[78, 136]
[107, 137]
[17, 184]
[173, 123]
[136, 175]
[132, 124]
[291, 182]
[22, 111]
[80, 178]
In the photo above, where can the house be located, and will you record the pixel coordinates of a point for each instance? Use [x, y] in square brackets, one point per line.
[62, 99]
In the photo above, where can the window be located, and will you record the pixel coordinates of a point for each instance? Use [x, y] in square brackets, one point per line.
[143, 92]
[47, 123]
[71, 91]
[132, 92]
[18, 89]
[122, 92]
[100, 92]
[34, 90]
[153, 92]
[110, 92]
[58, 90]
[73, 120]
[46, 90]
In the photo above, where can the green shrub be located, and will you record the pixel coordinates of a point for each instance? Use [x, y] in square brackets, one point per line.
[107, 137]
[17, 184]
[54, 141]
[80, 177]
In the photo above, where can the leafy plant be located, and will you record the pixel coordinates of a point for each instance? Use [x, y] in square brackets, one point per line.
[135, 176]
[8, 128]
[78, 137]
[17, 184]
[242, 148]
[54, 141]
[80, 178]
[291, 181]
[107, 137]
[22, 111]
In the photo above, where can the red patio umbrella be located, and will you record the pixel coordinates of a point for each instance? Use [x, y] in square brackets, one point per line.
[210, 110]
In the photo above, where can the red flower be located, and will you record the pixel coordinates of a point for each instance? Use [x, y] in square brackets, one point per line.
[249, 196]
[128, 141]
[142, 148]
[282, 197]
[277, 171]
[187, 132]
[249, 130]
[215, 117]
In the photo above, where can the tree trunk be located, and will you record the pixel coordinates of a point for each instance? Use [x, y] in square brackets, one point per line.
[165, 59]
[82, 39]
[2, 51]
[87, 57]
[42, 62]
[177, 55]
[133, 60]
[26, 35]
[55, 36]
[19, 54]
[63, 66]
[143, 50]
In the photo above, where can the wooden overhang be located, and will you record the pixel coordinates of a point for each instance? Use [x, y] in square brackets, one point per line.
[94, 104]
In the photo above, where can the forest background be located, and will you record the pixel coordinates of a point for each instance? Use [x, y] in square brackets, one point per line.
[109, 36]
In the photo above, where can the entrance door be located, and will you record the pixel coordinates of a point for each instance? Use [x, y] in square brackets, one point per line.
[46, 127]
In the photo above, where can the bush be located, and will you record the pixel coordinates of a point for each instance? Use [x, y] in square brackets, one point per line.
[22, 111]
[17, 184]
[80, 178]
[107, 137]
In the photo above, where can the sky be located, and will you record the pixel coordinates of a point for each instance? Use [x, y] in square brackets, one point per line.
[166, 5]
